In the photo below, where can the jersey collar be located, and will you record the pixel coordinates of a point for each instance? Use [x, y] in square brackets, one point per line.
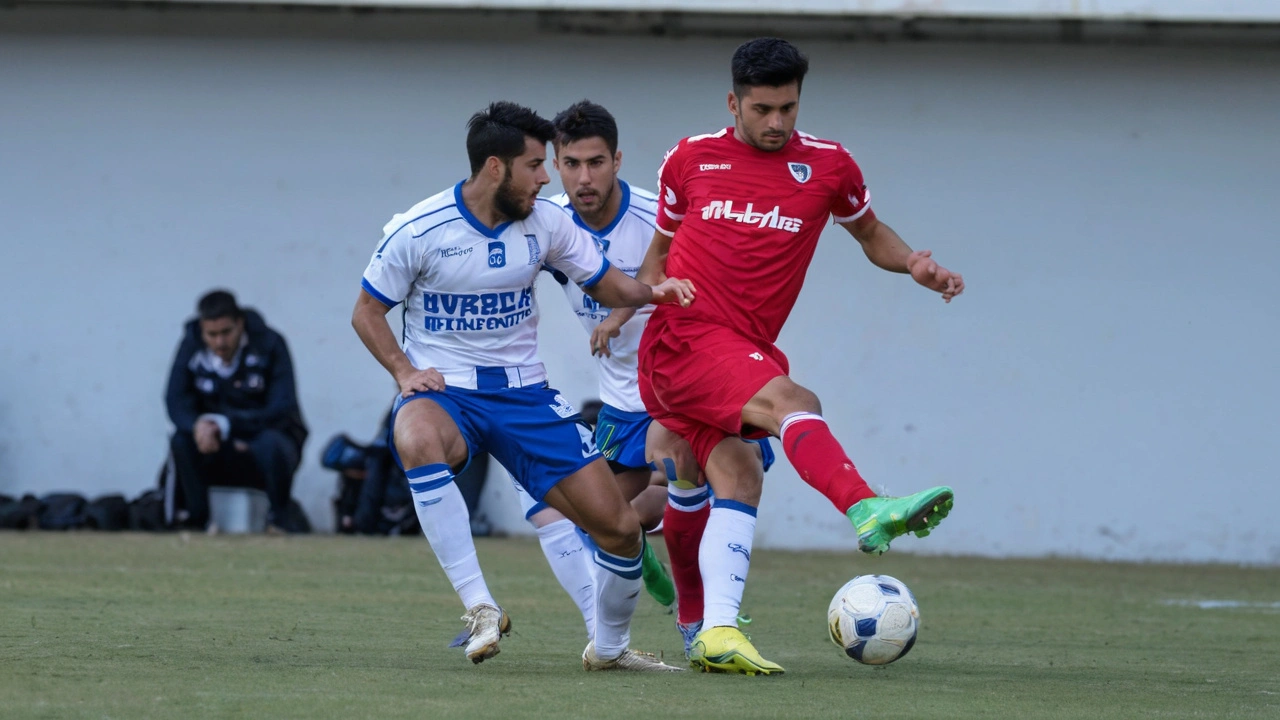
[480, 227]
[622, 210]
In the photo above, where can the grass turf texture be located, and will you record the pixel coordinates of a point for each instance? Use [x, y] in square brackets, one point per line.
[133, 626]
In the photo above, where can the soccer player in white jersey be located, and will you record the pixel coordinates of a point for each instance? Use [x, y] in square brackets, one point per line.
[648, 460]
[464, 262]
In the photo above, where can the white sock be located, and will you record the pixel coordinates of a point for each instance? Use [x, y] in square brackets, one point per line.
[572, 566]
[443, 515]
[725, 557]
[618, 587]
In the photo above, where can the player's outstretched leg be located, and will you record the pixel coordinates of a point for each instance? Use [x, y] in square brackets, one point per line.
[822, 462]
[879, 520]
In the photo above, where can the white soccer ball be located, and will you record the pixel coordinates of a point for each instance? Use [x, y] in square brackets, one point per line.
[874, 619]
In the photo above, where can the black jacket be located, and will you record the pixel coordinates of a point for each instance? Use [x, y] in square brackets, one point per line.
[260, 394]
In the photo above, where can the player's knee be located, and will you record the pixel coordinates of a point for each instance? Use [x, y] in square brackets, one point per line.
[420, 448]
[781, 397]
[620, 534]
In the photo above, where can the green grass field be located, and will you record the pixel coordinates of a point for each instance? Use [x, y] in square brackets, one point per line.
[167, 626]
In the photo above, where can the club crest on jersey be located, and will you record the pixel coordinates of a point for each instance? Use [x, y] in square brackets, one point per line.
[497, 254]
[800, 172]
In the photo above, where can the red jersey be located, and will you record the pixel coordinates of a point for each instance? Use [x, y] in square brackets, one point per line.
[748, 223]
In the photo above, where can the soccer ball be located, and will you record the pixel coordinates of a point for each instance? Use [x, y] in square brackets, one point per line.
[874, 619]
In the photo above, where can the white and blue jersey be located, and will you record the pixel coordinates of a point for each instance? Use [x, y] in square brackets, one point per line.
[470, 313]
[468, 289]
[624, 243]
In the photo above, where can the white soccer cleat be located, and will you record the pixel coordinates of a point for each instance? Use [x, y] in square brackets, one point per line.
[486, 625]
[634, 660]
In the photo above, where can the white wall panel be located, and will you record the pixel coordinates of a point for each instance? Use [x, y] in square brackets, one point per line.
[1105, 388]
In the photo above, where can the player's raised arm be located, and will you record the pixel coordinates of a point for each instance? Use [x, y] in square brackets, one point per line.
[887, 250]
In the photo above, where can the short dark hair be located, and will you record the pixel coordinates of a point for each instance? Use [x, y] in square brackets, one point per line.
[767, 61]
[218, 304]
[499, 131]
[585, 119]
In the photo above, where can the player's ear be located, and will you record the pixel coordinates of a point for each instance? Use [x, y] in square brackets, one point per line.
[494, 168]
[617, 161]
[733, 104]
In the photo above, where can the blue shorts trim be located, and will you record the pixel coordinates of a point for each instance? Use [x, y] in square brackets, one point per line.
[620, 436]
[532, 431]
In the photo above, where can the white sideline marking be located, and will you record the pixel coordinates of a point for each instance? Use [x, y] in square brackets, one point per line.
[1220, 604]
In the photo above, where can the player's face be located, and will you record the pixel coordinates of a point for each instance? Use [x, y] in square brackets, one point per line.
[222, 336]
[589, 173]
[522, 180]
[765, 116]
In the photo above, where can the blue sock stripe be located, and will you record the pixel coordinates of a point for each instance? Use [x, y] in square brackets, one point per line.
[688, 500]
[430, 477]
[734, 505]
[628, 568]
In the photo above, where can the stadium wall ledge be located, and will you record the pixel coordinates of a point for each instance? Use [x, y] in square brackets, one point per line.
[1045, 21]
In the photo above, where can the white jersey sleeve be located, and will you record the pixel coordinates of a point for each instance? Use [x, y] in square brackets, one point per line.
[624, 243]
[394, 267]
[572, 250]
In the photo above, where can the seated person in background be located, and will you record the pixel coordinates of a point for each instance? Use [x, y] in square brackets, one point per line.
[234, 407]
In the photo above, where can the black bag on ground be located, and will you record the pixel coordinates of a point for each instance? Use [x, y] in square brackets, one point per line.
[62, 511]
[298, 522]
[146, 512]
[21, 514]
[108, 512]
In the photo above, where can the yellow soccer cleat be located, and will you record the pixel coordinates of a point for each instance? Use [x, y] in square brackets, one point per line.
[726, 649]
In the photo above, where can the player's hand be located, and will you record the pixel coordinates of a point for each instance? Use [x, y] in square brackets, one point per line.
[930, 274]
[673, 290]
[603, 333]
[208, 436]
[420, 381]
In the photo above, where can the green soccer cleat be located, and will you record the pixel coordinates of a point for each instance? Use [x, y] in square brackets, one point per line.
[657, 581]
[879, 520]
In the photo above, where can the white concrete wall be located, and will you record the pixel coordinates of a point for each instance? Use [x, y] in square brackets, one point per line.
[1106, 387]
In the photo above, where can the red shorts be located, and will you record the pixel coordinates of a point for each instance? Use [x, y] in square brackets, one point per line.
[695, 378]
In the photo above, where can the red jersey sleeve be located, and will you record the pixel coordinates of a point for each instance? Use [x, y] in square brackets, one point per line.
[672, 202]
[853, 199]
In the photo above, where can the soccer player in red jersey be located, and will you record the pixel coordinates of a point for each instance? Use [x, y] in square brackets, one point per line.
[740, 213]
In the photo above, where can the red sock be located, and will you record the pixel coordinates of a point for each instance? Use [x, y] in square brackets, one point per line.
[683, 532]
[821, 462]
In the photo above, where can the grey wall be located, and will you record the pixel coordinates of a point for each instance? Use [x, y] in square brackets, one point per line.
[1105, 388]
